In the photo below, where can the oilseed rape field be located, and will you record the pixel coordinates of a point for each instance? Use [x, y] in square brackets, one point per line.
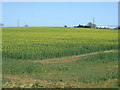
[59, 57]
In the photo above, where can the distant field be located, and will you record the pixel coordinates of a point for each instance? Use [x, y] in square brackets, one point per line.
[58, 57]
[42, 43]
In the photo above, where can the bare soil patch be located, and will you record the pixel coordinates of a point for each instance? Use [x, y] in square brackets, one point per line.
[70, 58]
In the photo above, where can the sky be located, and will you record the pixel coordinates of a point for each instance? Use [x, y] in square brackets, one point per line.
[59, 13]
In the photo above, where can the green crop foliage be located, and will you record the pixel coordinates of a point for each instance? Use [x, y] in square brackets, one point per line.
[22, 46]
[38, 43]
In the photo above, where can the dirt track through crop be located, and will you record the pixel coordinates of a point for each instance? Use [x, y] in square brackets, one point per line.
[70, 58]
[29, 82]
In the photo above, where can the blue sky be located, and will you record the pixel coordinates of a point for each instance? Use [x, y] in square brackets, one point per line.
[59, 13]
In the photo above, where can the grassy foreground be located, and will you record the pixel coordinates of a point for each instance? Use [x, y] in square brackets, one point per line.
[26, 48]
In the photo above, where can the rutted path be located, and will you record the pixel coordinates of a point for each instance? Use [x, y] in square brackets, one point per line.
[70, 58]
[22, 81]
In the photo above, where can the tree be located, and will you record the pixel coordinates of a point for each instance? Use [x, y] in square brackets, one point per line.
[65, 25]
[1, 24]
[26, 25]
[80, 26]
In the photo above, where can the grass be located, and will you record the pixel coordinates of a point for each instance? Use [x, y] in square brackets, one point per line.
[24, 45]
[93, 69]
